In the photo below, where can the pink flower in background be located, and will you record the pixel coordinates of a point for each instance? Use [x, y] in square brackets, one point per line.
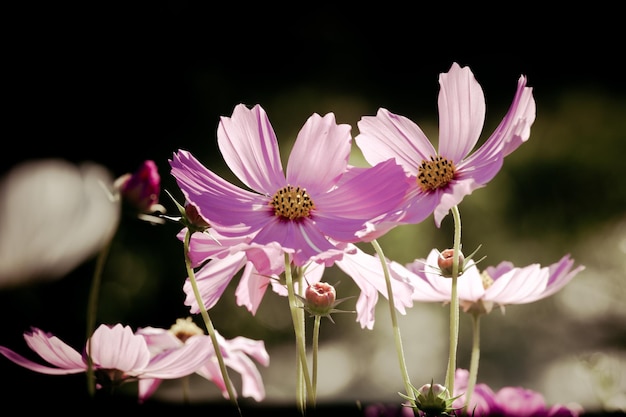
[508, 401]
[504, 284]
[237, 353]
[440, 179]
[299, 211]
[118, 355]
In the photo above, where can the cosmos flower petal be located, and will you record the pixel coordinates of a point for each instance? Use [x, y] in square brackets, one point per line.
[367, 272]
[360, 196]
[212, 279]
[388, 135]
[320, 154]
[513, 130]
[250, 149]
[117, 347]
[146, 387]
[34, 366]
[230, 206]
[176, 363]
[461, 112]
[251, 288]
[518, 285]
[53, 350]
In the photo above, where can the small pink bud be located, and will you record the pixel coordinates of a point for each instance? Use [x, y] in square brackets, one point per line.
[446, 260]
[320, 298]
[142, 188]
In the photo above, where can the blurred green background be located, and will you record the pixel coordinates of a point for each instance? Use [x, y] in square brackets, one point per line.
[118, 85]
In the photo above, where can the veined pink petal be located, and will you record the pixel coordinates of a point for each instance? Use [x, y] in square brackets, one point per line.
[461, 112]
[240, 211]
[559, 274]
[251, 288]
[147, 387]
[250, 149]
[320, 154]
[367, 272]
[34, 366]
[388, 135]
[53, 350]
[117, 347]
[212, 279]
[179, 362]
[365, 196]
[238, 350]
[518, 285]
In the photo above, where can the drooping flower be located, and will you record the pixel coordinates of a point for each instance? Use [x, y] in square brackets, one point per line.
[441, 179]
[119, 356]
[237, 353]
[503, 284]
[220, 262]
[299, 211]
[508, 401]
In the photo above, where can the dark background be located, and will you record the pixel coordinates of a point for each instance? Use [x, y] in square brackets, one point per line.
[121, 84]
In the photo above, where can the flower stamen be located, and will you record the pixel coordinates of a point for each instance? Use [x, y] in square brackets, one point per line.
[436, 173]
[292, 203]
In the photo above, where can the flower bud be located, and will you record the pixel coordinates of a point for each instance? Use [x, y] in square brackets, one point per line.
[142, 188]
[320, 298]
[433, 399]
[445, 262]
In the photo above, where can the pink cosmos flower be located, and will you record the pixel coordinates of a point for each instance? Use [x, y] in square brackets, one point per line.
[508, 401]
[302, 210]
[118, 355]
[478, 292]
[440, 179]
[237, 355]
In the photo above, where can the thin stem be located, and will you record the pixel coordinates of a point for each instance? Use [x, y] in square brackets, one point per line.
[316, 333]
[473, 373]
[209, 324]
[92, 309]
[454, 303]
[297, 316]
[394, 323]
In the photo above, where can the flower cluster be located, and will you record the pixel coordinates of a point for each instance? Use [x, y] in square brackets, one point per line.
[285, 226]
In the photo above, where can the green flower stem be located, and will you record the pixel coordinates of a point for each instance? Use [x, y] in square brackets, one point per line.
[454, 303]
[394, 323]
[297, 316]
[316, 333]
[92, 309]
[208, 323]
[473, 373]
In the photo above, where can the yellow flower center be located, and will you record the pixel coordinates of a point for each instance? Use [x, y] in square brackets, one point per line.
[436, 173]
[292, 203]
[185, 328]
[487, 280]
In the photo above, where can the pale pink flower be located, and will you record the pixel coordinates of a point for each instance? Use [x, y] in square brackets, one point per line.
[440, 179]
[118, 356]
[479, 292]
[508, 401]
[300, 210]
[237, 353]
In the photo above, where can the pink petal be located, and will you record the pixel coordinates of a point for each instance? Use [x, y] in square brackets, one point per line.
[320, 154]
[53, 350]
[212, 279]
[461, 112]
[250, 149]
[388, 135]
[179, 362]
[117, 347]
